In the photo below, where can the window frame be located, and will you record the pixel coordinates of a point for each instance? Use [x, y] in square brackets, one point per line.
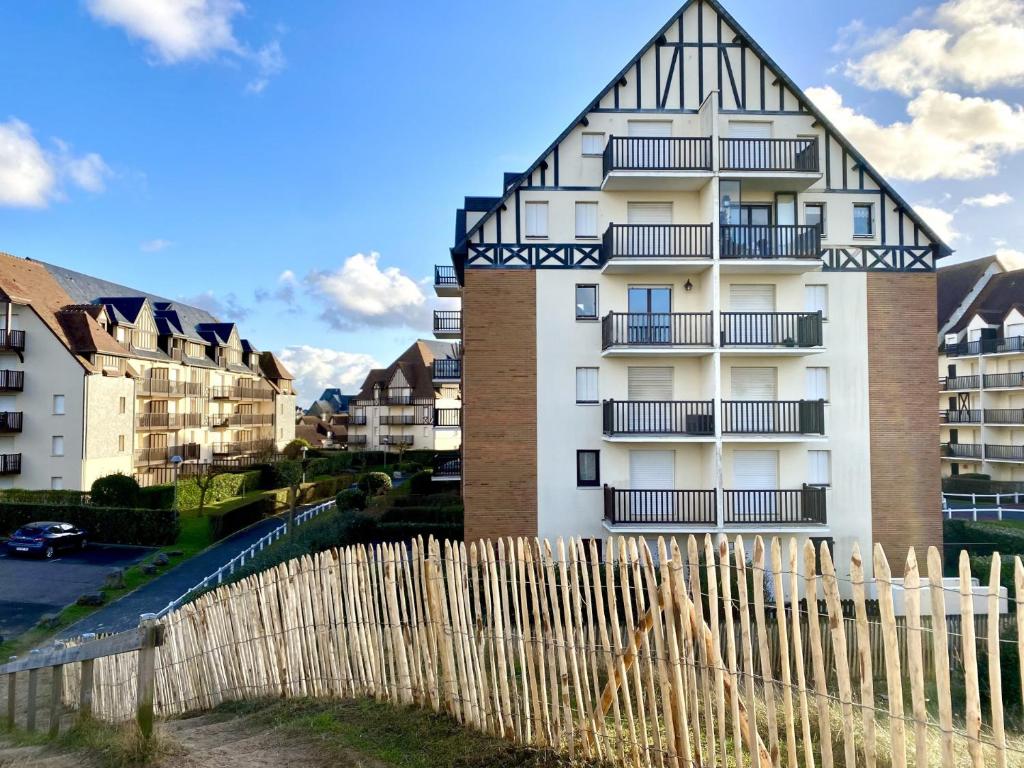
[828, 467]
[53, 446]
[825, 311]
[824, 215]
[537, 205]
[597, 390]
[576, 220]
[871, 220]
[62, 411]
[828, 381]
[601, 140]
[576, 304]
[596, 482]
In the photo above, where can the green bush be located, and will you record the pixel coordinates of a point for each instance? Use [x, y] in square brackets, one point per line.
[156, 497]
[422, 484]
[294, 449]
[432, 515]
[225, 486]
[43, 496]
[234, 516]
[108, 525]
[374, 483]
[115, 491]
[333, 464]
[351, 498]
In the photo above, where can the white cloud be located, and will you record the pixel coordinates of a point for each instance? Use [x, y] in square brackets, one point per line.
[941, 221]
[360, 293]
[975, 43]
[154, 246]
[315, 369]
[284, 291]
[269, 61]
[226, 307]
[990, 200]
[948, 136]
[31, 176]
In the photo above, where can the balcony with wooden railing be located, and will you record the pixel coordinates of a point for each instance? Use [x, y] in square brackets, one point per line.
[164, 453]
[12, 381]
[658, 419]
[656, 242]
[962, 450]
[797, 331]
[10, 463]
[627, 332]
[447, 323]
[959, 383]
[168, 421]
[240, 447]
[960, 416]
[773, 417]
[150, 387]
[12, 342]
[11, 422]
[225, 420]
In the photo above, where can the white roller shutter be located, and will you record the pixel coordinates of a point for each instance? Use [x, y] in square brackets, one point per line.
[649, 128]
[652, 470]
[751, 298]
[754, 383]
[755, 470]
[649, 213]
[749, 129]
[650, 383]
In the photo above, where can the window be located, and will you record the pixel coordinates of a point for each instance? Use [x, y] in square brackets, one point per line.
[817, 383]
[120, 443]
[819, 467]
[536, 219]
[586, 219]
[863, 220]
[593, 143]
[57, 445]
[586, 385]
[816, 299]
[56, 483]
[588, 469]
[122, 405]
[586, 302]
[58, 405]
[814, 215]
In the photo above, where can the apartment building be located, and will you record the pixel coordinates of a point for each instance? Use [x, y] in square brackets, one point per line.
[98, 378]
[699, 310]
[981, 368]
[414, 403]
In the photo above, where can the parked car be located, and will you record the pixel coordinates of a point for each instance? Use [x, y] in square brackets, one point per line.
[46, 539]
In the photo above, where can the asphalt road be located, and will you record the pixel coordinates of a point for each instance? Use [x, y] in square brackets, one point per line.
[31, 588]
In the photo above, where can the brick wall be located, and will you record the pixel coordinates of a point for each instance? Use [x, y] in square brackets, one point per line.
[499, 400]
[903, 390]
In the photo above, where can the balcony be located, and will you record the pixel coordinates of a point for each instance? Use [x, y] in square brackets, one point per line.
[676, 333]
[1004, 452]
[447, 369]
[448, 418]
[225, 393]
[960, 416]
[777, 164]
[12, 381]
[168, 388]
[224, 420]
[447, 324]
[791, 248]
[396, 440]
[999, 380]
[446, 282]
[241, 447]
[356, 440]
[447, 468]
[962, 450]
[653, 420]
[805, 506]
[12, 342]
[357, 421]
[631, 248]
[772, 332]
[999, 346]
[10, 422]
[168, 421]
[638, 507]
[656, 163]
[10, 463]
[397, 421]
[960, 383]
[1011, 416]
[773, 417]
[255, 393]
[164, 453]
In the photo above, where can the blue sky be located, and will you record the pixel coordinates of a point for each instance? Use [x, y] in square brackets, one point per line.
[254, 157]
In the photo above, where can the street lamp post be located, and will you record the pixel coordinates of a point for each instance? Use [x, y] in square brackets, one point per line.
[304, 449]
[176, 464]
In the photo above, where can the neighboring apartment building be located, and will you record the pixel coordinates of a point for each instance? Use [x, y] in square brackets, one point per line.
[97, 378]
[414, 403]
[699, 310]
[981, 368]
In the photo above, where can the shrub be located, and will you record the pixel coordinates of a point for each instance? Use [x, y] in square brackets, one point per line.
[43, 496]
[421, 484]
[115, 491]
[294, 449]
[430, 515]
[156, 497]
[334, 464]
[224, 486]
[428, 500]
[351, 498]
[109, 525]
[235, 516]
[374, 483]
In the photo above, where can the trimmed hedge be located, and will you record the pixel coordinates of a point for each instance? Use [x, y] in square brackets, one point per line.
[976, 483]
[427, 515]
[422, 484]
[351, 498]
[25, 496]
[225, 486]
[310, 492]
[374, 483]
[234, 516]
[115, 490]
[156, 497]
[109, 525]
[335, 464]
[428, 500]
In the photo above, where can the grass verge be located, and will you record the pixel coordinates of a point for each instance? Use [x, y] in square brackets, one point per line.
[106, 746]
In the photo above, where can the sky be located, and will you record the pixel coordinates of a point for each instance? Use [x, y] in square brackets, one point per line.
[295, 166]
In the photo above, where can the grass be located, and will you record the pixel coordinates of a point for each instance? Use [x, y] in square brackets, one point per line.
[407, 737]
[106, 746]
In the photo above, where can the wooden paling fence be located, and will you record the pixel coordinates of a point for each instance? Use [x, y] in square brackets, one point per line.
[692, 655]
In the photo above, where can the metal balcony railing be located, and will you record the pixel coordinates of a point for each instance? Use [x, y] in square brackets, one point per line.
[447, 369]
[963, 450]
[11, 421]
[658, 241]
[775, 507]
[1004, 452]
[445, 276]
[772, 329]
[771, 241]
[448, 417]
[954, 383]
[961, 416]
[665, 418]
[656, 329]
[10, 463]
[12, 341]
[778, 155]
[996, 380]
[447, 321]
[779, 417]
[12, 381]
[669, 153]
[640, 507]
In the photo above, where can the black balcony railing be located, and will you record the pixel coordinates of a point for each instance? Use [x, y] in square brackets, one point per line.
[962, 349]
[772, 329]
[954, 383]
[396, 440]
[356, 439]
[447, 417]
[771, 507]
[1004, 452]
[771, 241]
[445, 276]
[669, 153]
[397, 421]
[1004, 415]
[153, 421]
[12, 341]
[447, 368]
[658, 241]
[656, 329]
[357, 421]
[12, 381]
[639, 507]
[797, 155]
[160, 454]
[447, 321]
[995, 380]
[962, 450]
[961, 416]
[10, 421]
[447, 466]
[170, 388]
[986, 346]
[651, 417]
[10, 463]
[773, 417]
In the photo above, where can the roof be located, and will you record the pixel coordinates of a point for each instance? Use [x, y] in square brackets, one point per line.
[956, 282]
[1001, 294]
[415, 364]
[273, 368]
[741, 34]
[86, 335]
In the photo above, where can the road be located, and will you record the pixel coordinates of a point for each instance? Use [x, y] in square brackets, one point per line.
[31, 588]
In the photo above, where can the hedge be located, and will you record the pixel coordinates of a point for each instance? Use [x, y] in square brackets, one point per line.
[334, 464]
[1007, 540]
[374, 483]
[23, 495]
[108, 525]
[310, 492]
[224, 486]
[448, 514]
[156, 497]
[428, 500]
[234, 516]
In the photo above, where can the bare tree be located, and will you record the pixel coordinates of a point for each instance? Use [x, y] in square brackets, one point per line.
[204, 481]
